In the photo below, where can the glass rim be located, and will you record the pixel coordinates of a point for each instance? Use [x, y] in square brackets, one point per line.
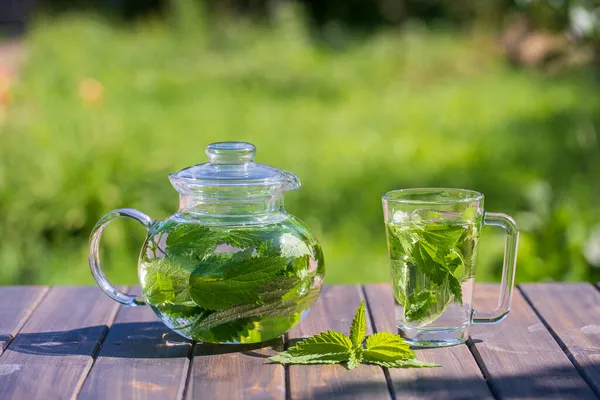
[469, 195]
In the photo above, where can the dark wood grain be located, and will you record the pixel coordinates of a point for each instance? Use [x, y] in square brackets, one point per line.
[140, 358]
[520, 357]
[459, 376]
[52, 354]
[16, 305]
[572, 313]
[53, 350]
[236, 372]
[335, 310]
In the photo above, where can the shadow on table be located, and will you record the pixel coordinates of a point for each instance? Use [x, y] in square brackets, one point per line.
[154, 340]
[125, 340]
[545, 383]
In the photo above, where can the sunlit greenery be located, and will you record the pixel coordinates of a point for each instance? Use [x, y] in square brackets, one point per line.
[102, 113]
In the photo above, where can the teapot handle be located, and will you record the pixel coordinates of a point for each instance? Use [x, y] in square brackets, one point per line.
[105, 285]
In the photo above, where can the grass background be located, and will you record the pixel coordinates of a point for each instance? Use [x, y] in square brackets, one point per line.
[102, 112]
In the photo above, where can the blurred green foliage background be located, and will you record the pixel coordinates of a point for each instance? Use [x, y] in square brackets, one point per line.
[103, 111]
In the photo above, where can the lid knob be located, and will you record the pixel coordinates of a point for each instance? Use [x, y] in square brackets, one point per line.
[230, 152]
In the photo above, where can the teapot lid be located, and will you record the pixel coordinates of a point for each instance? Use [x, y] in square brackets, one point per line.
[231, 168]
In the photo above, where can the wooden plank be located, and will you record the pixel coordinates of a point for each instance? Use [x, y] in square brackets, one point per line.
[572, 313]
[236, 372]
[52, 354]
[519, 355]
[335, 310]
[16, 305]
[459, 376]
[140, 358]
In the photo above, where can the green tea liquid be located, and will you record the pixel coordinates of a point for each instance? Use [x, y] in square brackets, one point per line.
[224, 284]
[432, 261]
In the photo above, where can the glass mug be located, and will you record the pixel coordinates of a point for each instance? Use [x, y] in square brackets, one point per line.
[432, 237]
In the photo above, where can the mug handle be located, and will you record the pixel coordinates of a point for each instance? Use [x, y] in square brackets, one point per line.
[105, 285]
[508, 270]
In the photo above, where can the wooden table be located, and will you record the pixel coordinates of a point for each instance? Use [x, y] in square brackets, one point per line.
[66, 342]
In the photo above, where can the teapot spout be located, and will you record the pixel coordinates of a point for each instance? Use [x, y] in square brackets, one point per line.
[292, 182]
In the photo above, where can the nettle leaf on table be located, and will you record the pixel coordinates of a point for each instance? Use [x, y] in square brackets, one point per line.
[358, 330]
[356, 357]
[384, 346]
[328, 358]
[326, 342]
[330, 347]
[409, 363]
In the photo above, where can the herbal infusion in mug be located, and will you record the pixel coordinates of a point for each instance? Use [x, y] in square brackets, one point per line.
[432, 260]
[433, 235]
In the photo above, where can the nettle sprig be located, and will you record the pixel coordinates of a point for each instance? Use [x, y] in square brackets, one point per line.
[330, 347]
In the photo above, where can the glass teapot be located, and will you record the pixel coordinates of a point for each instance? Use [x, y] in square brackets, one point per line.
[231, 266]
